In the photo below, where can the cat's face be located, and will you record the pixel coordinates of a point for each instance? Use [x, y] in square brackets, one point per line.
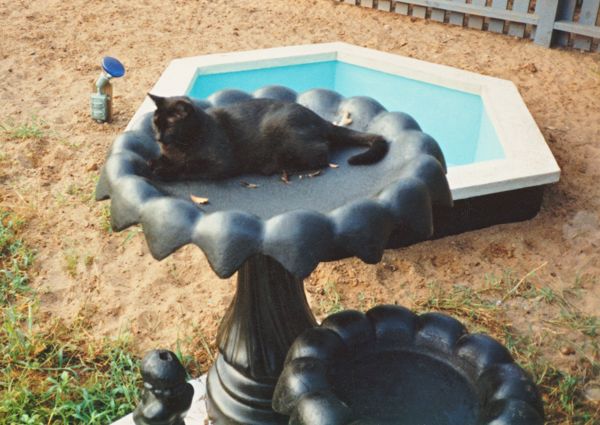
[171, 120]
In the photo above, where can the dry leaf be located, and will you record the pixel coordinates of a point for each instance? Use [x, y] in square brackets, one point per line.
[530, 67]
[199, 200]
[332, 165]
[249, 185]
[345, 120]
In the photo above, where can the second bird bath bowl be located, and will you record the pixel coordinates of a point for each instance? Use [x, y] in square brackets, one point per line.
[392, 367]
[355, 369]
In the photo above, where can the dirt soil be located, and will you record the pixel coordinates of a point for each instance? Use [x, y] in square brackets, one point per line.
[49, 56]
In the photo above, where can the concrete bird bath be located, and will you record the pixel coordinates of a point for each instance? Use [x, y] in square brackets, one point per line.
[275, 234]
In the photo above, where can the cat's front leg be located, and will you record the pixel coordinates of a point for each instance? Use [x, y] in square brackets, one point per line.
[202, 168]
[163, 169]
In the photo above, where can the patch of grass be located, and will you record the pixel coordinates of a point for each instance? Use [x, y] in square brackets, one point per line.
[69, 144]
[131, 234]
[105, 218]
[60, 199]
[462, 302]
[58, 376]
[30, 129]
[511, 285]
[332, 302]
[483, 309]
[54, 374]
[365, 302]
[81, 193]
[88, 260]
[562, 390]
[576, 320]
[570, 317]
[547, 294]
[200, 350]
[15, 259]
[71, 261]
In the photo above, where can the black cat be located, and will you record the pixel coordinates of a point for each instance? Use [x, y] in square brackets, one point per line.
[262, 136]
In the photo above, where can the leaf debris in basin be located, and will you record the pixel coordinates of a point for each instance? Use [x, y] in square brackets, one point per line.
[199, 200]
[310, 175]
[249, 185]
[345, 120]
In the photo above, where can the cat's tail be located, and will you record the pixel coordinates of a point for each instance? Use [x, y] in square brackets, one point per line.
[378, 146]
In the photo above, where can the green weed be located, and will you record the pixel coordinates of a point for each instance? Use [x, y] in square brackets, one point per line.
[71, 262]
[105, 218]
[332, 303]
[30, 129]
[365, 303]
[69, 144]
[588, 325]
[81, 193]
[130, 235]
[15, 259]
[88, 260]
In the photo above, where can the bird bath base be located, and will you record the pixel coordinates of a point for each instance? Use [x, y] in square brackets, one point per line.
[268, 312]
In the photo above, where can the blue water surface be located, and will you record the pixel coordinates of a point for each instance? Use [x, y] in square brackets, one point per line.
[457, 120]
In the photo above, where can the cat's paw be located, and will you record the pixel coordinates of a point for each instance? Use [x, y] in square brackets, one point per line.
[165, 174]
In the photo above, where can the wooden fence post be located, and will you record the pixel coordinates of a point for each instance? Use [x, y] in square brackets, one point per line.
[497, 25]
[589, 12]
[457, 18]
[474, 20]
[546, 11]
[385, 5]
[514, 29]
[367, 3]
[401, 8]
[566, 10]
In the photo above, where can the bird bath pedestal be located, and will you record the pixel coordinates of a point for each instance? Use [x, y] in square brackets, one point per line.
[275, 234]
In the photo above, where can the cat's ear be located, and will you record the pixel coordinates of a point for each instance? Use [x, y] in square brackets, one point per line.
[183, 107]
[158, 101]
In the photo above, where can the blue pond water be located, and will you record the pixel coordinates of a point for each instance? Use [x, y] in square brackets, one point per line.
[457, 120]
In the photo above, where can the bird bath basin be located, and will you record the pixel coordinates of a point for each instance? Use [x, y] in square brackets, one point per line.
[275, 234]
[393, 367]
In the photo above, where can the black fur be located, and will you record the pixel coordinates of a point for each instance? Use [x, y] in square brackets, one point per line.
[262, 136]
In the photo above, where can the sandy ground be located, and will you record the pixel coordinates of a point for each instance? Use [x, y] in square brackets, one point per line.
[49, 56]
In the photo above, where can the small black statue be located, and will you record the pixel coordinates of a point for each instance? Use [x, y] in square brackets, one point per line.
[167, 396]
